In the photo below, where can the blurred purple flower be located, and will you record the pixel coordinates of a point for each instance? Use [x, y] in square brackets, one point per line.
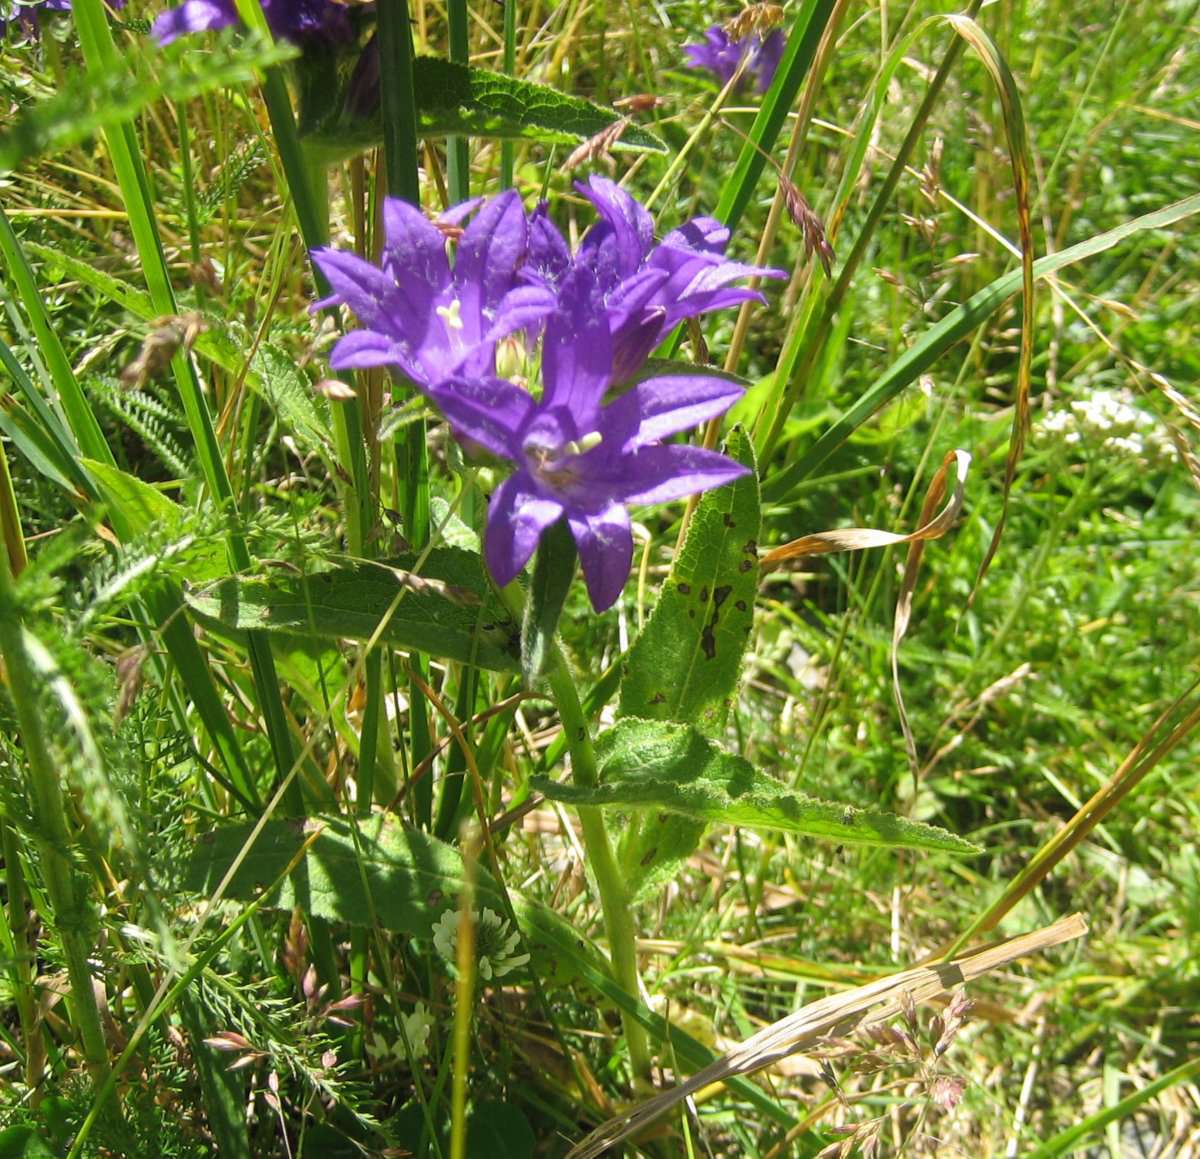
[296, 20]
[421, 314]
[646, 288]
[23, 17]
[577, 459]
[721, 56]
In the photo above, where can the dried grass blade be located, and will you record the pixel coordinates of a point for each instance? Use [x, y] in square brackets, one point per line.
[836, 1014]
[860, 538]
[1172, 727]
[912, 566]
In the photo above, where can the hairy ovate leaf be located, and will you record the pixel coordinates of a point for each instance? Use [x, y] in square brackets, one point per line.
[454, 98]
[384, 872]
[673, 768]
[446, 608]
[687, 662]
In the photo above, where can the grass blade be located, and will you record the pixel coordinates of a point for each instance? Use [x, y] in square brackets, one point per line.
[102, 57]
[807, 30]
[956, 325]
[1066, 1141]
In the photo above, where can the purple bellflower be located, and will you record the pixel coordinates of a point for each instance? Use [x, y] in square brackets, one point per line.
[647, 288]
[721, 56]
[421, 314]
[325, 21]
[581, 460]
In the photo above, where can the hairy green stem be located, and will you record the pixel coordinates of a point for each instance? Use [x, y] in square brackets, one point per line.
[614, 900]
[68, 896]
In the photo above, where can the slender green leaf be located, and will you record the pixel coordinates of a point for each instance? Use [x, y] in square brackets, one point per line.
[224, 1097]
[142, 507]
[955, 325]
[453, 98]
[448, 610]
[1067, 1142]
[687, 662]
[103, 97]
[103, 59]
[805, 34]
[648, 765]
[40, 449]
[271, 374]
[78, 412]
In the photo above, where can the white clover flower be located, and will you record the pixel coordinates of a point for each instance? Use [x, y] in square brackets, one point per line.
[495, 943]
[445, 935]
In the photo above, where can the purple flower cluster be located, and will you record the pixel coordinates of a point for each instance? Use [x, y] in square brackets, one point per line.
[298, 20]
[721, 56]
[599, 312]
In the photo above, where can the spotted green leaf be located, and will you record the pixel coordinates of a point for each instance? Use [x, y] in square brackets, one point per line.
[687, 662]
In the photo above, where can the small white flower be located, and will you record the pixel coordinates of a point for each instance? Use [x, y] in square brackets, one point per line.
[495, 943]
[445, 935]
[418, 1026]
[1109, 420]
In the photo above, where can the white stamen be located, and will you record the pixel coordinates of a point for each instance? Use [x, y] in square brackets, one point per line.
[451, 315]
[583, 445]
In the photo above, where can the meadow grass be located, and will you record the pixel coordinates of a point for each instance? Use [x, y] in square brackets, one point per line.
[168, 422]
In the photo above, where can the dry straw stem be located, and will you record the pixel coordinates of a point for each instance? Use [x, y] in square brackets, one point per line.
[1018, 149]
[836, 1015]
[1171, 728]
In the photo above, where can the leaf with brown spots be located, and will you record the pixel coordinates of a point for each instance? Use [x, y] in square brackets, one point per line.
[687, 662]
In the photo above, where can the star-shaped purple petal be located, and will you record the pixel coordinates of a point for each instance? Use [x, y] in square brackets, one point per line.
[425, 316]
[577, 458]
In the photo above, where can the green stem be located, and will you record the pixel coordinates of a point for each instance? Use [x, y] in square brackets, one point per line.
[614, 901]
[68, 899]
[507, 150]
[19, 949]
[100, 54]
[397, 100]
[457, 155]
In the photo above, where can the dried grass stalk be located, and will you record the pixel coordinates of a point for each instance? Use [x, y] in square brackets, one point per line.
[838, 1015]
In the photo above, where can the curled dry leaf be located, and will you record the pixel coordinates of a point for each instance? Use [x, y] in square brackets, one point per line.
[931, 526]
[861, 538]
